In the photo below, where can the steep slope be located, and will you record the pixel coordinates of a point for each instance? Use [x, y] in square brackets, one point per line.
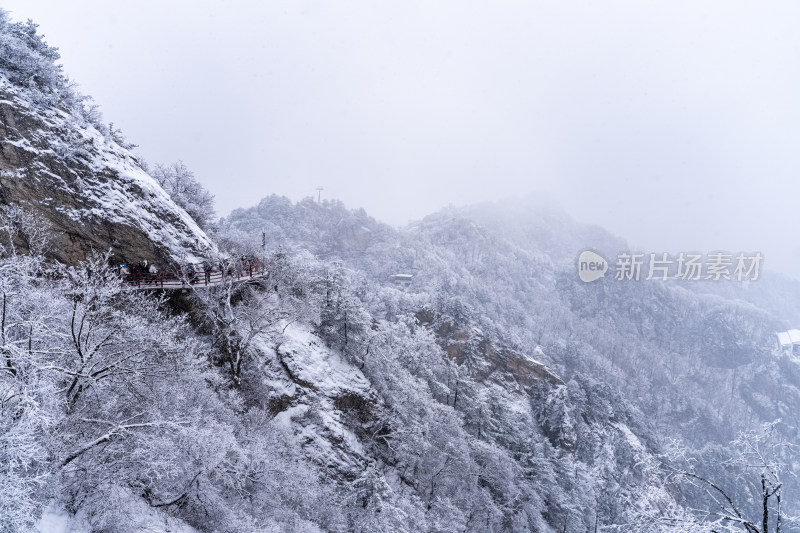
[90, 189]
[640, 363]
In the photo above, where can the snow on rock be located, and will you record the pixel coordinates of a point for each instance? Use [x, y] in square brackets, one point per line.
[146, 520]
[632, 440]
[92, 190]
[327, 387]
[59, 521]
[318, 366]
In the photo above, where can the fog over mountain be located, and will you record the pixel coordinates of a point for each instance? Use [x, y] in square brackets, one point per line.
[669, 124]
[301, 364]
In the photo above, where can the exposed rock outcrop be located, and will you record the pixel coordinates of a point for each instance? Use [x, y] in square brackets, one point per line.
[468, 346]
[91, 190]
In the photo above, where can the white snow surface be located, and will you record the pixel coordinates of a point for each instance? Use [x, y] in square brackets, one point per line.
[319, 366]
[322, 376]
[631, 438]
[110, 188]
[56, 520]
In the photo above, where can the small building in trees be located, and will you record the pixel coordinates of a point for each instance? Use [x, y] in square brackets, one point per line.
[789, 341]
[401, 279]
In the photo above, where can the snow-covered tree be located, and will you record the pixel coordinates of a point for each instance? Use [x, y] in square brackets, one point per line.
[186, 191]
[745, 495]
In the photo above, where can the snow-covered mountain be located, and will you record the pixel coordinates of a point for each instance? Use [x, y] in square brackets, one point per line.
[90, 189]
[454, 375]
[625, 367]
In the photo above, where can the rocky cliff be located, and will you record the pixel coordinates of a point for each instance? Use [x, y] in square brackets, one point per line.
[91, 190]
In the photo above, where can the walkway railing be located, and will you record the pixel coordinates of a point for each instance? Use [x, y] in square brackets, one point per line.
[195, 274]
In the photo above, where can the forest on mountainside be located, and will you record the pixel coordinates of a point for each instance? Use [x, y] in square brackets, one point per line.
[493, 391]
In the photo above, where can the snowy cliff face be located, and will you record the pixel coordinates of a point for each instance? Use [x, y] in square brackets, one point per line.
[90, 189]
[316, 390]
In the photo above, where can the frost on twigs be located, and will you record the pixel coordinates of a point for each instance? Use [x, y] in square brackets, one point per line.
[745, 496]
[23, 233]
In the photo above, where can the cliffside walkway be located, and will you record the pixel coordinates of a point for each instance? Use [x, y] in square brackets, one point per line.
[195, 275]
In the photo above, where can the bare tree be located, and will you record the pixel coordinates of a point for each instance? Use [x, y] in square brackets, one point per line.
[28, 405]
[186, 191]
[750, 502]
[236, 313]
[23, 234]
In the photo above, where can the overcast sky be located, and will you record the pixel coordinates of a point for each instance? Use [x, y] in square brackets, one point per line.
[673, 124]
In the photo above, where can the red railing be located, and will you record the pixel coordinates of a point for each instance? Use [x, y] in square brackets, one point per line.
[195, 274]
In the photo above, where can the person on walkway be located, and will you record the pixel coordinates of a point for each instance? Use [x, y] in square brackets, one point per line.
[191, 273]
[207, 268]
[153, 270]
[73, 275]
